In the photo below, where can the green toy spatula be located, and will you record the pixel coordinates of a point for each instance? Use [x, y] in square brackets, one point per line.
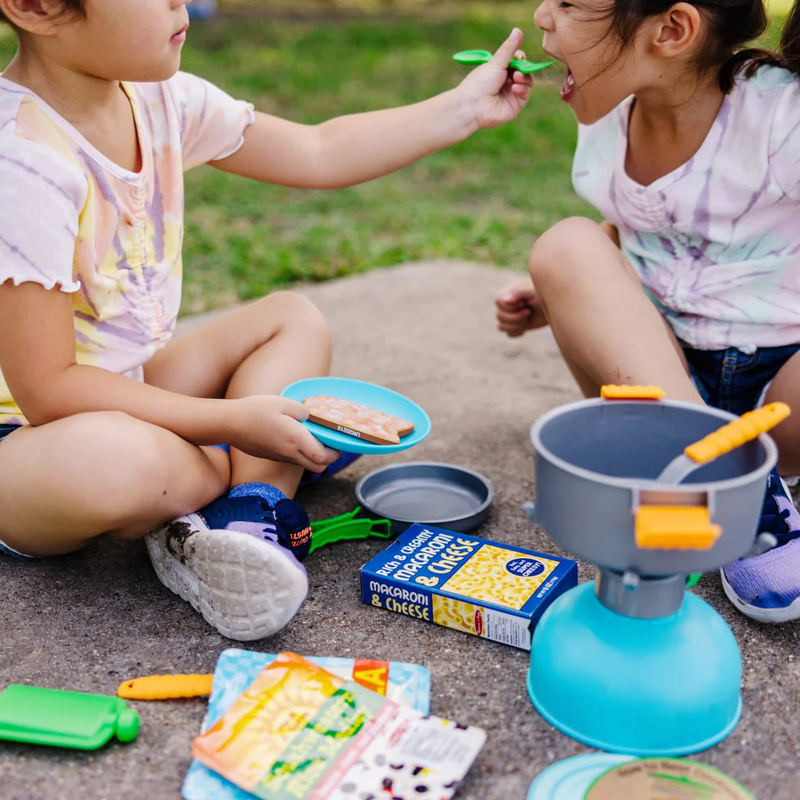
[475, 57]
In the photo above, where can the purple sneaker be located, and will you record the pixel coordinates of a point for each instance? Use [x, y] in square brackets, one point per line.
[766, 587]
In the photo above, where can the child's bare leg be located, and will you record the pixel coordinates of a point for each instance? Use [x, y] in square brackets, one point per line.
[67, 482]
[605, 325]
[786, 387]
[258, 349]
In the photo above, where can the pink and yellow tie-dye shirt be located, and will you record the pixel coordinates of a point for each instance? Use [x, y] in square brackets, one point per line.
[716, 243]
[73, 220]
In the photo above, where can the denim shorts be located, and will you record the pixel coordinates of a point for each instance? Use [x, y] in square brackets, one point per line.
[735, 381]
[5, 549]
[6, 429]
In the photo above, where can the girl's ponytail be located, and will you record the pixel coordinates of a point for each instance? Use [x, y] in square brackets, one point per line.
[790, 40]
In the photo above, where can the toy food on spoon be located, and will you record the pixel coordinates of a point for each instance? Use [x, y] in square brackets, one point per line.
[354, 419]
[727, 438]
[474, 57]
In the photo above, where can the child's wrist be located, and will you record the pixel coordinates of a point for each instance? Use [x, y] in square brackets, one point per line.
[468, 119]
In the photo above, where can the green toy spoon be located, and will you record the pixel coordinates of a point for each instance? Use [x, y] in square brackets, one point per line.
[474, 57]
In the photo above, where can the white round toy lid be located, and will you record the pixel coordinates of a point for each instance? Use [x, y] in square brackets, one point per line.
[665, 777]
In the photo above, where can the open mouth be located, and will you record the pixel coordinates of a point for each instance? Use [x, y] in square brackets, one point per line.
[568, 88]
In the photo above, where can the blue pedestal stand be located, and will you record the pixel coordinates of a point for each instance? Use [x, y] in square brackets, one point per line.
[668, 686]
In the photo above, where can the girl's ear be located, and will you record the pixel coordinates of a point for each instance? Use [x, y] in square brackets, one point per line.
[675, 31]
[34, 16]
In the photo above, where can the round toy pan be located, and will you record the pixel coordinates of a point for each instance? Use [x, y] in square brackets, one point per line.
[433, 494]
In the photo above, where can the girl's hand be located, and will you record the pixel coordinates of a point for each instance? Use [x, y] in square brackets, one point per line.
[268, 426]
[518, 308]
[492, 95]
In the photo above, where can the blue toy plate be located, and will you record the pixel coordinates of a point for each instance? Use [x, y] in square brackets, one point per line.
[571, 778]
[368, 394]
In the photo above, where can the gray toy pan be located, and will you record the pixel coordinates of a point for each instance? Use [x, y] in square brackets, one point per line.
[443, 495]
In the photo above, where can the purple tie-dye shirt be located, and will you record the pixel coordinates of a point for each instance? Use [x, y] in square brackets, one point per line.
[716, 242]
[70, 218]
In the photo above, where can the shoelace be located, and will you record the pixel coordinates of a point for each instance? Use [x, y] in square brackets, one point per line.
[287, 523]
[775, 520]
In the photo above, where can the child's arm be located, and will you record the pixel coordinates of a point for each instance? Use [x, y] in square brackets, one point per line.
[357, 148]
[37, 359]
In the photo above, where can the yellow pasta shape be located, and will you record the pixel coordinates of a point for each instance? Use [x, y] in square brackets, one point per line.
[485, 577]
[455, 614]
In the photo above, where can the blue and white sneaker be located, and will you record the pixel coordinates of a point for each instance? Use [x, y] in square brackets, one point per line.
[766, 587]
[236, 562]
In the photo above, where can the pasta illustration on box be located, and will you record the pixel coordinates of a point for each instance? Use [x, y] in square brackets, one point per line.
[466, 583]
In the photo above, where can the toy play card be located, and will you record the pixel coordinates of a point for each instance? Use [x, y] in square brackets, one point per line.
[303, 733]
[406, 684]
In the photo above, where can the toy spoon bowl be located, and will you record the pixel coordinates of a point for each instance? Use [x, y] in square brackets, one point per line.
[474, 57]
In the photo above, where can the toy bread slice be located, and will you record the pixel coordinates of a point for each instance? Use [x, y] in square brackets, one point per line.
[356, 420]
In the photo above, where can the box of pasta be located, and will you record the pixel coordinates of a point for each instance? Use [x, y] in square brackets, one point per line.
[485, 588]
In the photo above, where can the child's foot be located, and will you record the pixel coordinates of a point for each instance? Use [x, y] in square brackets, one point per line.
[766, 587]
[236, 562]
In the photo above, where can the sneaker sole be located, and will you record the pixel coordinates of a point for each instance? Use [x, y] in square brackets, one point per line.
[245, 588]
[770, 615]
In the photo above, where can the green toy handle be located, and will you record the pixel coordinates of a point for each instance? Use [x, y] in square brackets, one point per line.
[693, 579]
[347, 527]
[475, 57]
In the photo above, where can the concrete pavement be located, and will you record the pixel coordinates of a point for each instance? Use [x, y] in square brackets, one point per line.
[88, 621]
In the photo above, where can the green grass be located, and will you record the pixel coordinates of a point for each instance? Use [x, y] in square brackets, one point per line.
[484, 200]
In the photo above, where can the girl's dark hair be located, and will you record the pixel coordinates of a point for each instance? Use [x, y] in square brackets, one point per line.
[69, 5]
[732, 24]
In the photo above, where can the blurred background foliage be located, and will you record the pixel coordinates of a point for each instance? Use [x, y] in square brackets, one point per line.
[484, 200]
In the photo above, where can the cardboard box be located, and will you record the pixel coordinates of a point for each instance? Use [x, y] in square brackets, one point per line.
[463, 582]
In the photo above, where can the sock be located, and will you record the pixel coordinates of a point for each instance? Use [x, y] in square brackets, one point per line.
[262, 490]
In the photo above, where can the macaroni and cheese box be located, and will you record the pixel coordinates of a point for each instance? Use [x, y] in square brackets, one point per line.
[463, 582]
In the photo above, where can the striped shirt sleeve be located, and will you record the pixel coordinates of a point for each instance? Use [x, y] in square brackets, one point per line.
[41, 197]
[212, 122]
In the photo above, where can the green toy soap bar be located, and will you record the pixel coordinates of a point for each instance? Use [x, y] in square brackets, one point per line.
[64, 719]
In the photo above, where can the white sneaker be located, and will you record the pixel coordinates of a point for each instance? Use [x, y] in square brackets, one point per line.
[245, 587]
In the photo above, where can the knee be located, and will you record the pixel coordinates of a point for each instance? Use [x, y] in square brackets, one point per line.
[298, 312]
[562, 251]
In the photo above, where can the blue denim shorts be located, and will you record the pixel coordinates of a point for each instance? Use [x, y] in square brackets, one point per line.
[735, 381]
[5, 549]
[6, 429]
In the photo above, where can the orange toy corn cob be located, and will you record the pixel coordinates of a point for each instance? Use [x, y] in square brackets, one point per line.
[166, 687]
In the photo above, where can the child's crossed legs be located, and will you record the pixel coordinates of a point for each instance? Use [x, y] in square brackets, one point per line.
[67, 482]
[609, 331]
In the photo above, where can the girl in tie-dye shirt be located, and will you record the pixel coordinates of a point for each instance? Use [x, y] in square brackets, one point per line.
[106, 426]
[689, 147]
